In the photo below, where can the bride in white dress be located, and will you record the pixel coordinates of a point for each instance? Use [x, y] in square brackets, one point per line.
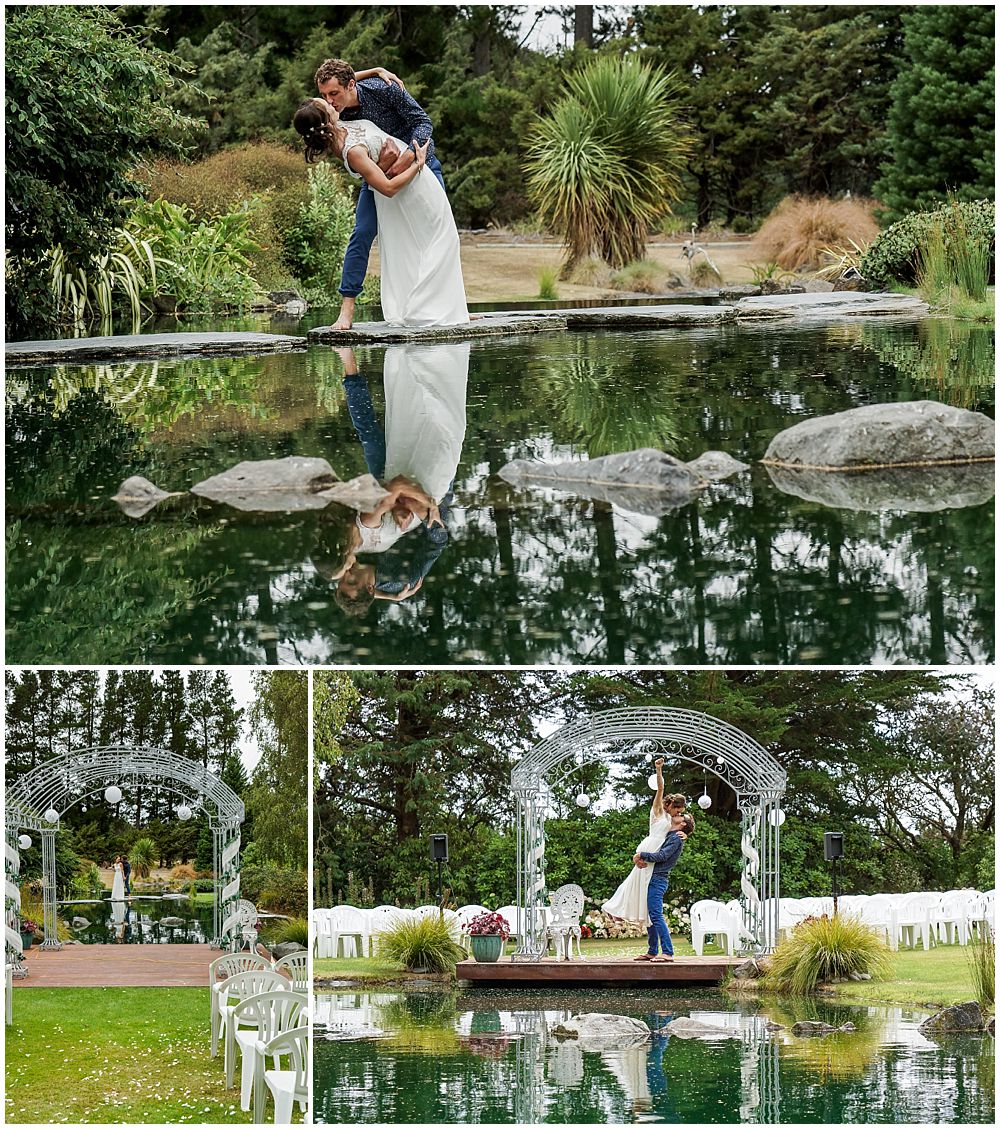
[422, 282]
[629, 900]
[118, 882]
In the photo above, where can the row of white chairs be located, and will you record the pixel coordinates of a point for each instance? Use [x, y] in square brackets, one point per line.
[347, 931]
[259, 1008]
[950, 917]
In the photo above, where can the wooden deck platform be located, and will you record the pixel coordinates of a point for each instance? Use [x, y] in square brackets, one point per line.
[118, 966]
[683, 972]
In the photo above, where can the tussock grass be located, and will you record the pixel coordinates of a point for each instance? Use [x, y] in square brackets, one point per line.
[425, 944]
[800, 228]
[547, 284]
[642, 277]
[825, 948]
[981, 954]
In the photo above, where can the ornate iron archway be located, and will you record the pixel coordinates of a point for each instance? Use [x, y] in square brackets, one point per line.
[620, 735]
[53, 787]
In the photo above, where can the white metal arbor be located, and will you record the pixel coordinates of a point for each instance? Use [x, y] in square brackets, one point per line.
[624, 734]
[38, 799]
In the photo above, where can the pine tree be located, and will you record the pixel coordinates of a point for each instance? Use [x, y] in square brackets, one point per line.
[941, 125]
[226, 727]
[200, 712]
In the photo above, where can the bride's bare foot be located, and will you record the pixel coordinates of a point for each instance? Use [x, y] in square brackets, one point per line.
[346, 317]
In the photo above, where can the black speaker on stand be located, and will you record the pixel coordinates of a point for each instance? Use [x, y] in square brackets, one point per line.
[439, 854]
[833, 849]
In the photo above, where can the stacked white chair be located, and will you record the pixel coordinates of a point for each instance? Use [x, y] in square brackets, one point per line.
[912, 917]
[877, 911]
[287, 1086]
[257, 1020]
[219, 972]
[350, 926]
[322, 922]
[383, 918]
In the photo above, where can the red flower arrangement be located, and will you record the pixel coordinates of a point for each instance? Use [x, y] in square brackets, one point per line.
[585, 932]
[487, 925]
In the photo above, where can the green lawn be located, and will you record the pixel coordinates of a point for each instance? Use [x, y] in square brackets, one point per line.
[936, 978]
[124, 1055]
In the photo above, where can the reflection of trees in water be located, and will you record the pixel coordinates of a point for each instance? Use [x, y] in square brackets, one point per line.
[946, 360]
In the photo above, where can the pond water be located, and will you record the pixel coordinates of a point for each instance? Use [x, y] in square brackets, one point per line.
[139, 921]
[490, 1057]
[745, 574]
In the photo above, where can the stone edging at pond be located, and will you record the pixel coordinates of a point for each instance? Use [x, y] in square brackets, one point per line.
[785, 307]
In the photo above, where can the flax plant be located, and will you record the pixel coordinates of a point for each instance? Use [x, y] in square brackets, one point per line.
[605, 167]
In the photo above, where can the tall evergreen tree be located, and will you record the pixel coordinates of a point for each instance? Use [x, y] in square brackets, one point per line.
[200, 713]
[226, 728]
[941, 124]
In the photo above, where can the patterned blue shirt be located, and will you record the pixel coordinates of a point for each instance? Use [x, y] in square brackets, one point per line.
[392, 110]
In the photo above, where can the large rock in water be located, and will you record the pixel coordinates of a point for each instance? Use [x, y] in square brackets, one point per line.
[962, 1018]
[621, 1030]
[911, 489]
[271, 485]
[646, 481]
[920, 433]
[685, 1028]
[285, 949]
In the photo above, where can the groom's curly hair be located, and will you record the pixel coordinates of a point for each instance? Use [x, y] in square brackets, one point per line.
[335, 68]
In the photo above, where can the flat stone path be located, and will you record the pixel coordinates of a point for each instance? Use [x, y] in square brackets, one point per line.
[829, 306]
[118, 966]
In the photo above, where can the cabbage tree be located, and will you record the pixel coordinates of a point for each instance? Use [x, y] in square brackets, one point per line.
[608, 163]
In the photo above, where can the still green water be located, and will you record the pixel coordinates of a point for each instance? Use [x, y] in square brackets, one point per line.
[138, 922]
[745, 574]
[490, 1058]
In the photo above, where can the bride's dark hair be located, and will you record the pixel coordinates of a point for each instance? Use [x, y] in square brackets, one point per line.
[312, 123]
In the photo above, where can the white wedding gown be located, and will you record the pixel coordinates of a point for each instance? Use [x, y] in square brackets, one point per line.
[422, 282]
[629, 900]
[118, 884]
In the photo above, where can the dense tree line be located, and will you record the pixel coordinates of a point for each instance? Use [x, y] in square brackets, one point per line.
[901, 761]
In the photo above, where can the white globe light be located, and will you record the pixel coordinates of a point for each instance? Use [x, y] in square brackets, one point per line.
[112, 794]
[583, 800]
[653, 782]
[52, 816]
[704, 802]
[777, 817]
[24, 842]
[183, 812]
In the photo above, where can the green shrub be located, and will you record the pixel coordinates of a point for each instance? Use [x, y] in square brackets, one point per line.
[275, 888]
[426, 944]
[316, 242]
[642, 277]
[547, 284]
[894, 255]
[825, 948]
[704, 273]
[281, 932]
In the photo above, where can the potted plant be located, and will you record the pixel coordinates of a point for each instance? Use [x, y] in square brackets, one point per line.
[28, 930]
[487, 934]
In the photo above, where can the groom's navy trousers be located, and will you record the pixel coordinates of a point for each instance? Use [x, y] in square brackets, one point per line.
[359, 248]
[664, 861]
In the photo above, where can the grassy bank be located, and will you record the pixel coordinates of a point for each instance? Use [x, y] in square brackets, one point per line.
[115, 1055]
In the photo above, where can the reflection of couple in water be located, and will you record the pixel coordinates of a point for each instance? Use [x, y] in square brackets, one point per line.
[415, 457]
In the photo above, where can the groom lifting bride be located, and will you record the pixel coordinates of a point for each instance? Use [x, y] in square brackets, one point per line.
[383, 136]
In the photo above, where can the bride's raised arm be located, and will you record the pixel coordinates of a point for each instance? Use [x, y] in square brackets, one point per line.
[658, 798]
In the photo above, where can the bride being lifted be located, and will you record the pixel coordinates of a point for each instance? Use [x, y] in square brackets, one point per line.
[421, 279]
[629, 900]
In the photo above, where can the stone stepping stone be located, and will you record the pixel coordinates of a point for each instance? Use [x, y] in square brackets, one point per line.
[149, 346]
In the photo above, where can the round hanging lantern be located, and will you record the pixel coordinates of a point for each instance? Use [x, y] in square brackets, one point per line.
[777, 817]
[112, 794]
[52, 816]
[583, 800]
[183, 812]
[24, 842]
[653, 782]
[705, 802]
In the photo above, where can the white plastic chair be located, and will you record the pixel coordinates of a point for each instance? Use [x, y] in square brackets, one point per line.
[218, 972]
[710, 918]
[287, 1086]
[348, 924]
[563, 925]
[297, 967]
[463, 916]
[876, 911]
[232, 992]
[257, 1019]
[383, 918]
[912, 917]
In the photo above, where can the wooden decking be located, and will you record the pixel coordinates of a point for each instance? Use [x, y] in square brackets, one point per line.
[118, 966]
[683, 972]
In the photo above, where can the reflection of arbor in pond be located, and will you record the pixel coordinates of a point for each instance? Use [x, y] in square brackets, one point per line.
[947, 360]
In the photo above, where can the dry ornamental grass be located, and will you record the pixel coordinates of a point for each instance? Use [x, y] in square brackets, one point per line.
[795, 233]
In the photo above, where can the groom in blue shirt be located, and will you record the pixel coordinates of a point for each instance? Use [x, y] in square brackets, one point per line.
[377, 96]
[664, 860]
